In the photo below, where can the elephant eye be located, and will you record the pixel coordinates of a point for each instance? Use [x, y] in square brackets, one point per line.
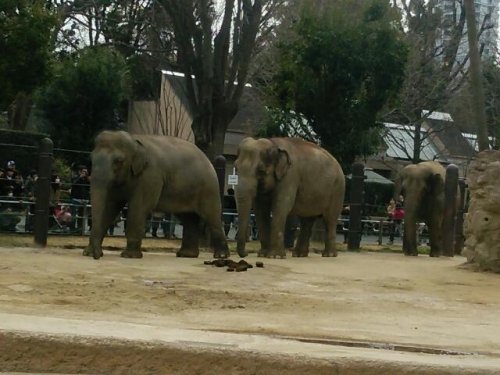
[118, 160]
[261, 172]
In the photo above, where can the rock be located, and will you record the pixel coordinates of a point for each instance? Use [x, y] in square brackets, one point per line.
[482, 222]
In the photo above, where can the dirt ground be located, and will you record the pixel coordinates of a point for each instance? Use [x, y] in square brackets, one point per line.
[379, 302]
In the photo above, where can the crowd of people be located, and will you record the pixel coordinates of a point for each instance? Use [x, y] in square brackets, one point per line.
[70, 199]
[18, 192]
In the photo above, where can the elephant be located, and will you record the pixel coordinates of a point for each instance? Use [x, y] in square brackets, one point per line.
[287, 176]
[422, 186]
[153, 174]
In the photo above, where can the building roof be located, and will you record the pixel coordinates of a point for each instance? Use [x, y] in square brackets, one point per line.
[372, 177]
[400, 142]
[251, 110]
[453, 141]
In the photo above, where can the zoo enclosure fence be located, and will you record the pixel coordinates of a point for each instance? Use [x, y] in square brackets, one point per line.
[16, 216]
[17, 212]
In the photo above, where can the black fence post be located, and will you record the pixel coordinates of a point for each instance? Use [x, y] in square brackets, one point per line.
[355, 202]
[459, 225]
[450, 209]
[42, 192]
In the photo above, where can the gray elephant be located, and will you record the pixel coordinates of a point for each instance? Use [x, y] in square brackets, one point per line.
[422, 186]
[287, 176]
[153, 173]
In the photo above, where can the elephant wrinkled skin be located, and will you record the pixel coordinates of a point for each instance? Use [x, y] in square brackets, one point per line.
[423, 188]
[153, 173]
[287, 176]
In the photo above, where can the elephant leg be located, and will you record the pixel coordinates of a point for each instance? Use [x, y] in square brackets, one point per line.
[99, 228]
[435, 236]
[212, 218]
[263, 219]
[190, 247]
[331, 235]
[302, 245]
[410, 235]
[136, 222]
[280, 210]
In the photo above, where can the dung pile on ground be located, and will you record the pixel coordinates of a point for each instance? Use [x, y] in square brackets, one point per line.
[233, 266]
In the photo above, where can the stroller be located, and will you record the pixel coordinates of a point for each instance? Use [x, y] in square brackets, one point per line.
[63, 219]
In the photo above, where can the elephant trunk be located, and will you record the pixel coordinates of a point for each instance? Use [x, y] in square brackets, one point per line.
[244, 199]
[101, 220]
[410, 232]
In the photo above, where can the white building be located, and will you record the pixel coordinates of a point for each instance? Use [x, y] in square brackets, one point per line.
[487, 17]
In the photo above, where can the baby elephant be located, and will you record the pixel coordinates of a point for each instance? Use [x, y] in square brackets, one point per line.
[153, 173]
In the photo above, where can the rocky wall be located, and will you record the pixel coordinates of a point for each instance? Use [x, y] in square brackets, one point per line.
[482, 223]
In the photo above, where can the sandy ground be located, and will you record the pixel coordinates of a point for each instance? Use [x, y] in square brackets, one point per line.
[358, 300]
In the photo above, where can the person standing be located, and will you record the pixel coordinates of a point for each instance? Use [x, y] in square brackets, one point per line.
[390, 208]
[397, 219]
[229, 210]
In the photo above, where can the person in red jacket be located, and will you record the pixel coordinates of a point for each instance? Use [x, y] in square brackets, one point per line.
[397, 218]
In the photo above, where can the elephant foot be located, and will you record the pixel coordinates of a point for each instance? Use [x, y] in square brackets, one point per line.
[262, 253]
[189, 253]
[330, 253]
[299, 254]
[276, 254]
[411, 254]
[434, 255]
[220, 253]
[88, 252]
[242, 253]
[132, 254]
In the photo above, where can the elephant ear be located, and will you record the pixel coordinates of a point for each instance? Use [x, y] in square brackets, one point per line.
[282, 164]
[139, 160]
[278, 159]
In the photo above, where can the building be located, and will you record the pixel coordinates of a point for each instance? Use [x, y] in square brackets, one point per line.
[169, 114]
[441, 140]
[487, 18]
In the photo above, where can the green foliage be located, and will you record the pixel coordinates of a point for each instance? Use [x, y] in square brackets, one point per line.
[21, 147]
[85, 97]
[25, 30]
[279, 123]
[338, 71]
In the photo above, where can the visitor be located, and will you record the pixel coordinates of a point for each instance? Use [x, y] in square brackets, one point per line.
[228, 210]
[397, 219]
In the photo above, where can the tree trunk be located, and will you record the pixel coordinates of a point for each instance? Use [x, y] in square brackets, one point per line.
[417, 142]
[20, 111]
[477, 92]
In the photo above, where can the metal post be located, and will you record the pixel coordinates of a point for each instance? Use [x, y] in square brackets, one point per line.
[450, 209]
[355, 202]
[220, 169]
[459, 225]
[380, 230]
[42, 192]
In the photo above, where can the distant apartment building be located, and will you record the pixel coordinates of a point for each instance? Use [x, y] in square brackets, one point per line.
[487, 19]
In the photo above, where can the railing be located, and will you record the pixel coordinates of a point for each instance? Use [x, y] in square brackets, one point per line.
[16, 215]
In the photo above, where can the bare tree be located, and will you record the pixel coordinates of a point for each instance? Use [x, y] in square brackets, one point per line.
[214, 49]
[435, 70]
